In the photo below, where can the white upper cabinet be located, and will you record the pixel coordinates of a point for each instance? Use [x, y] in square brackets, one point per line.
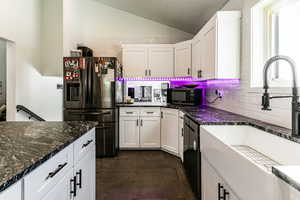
[196, 56]
[216, 48]
[135, 61]
[161, 61]
[183, 59]
[148, 60]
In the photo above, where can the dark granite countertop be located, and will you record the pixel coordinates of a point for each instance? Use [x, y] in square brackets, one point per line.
[26, 145]
[205, 115]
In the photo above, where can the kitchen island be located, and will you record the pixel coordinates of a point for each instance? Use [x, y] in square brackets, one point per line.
[35, 157]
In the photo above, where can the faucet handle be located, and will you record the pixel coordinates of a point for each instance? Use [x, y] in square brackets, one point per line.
[266, 102]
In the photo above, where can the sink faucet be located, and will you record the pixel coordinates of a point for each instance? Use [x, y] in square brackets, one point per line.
[295, 103]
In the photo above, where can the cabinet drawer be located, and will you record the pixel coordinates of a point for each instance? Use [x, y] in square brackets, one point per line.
[129, 112]
[40, 181]
[83, 145]
[150, 112]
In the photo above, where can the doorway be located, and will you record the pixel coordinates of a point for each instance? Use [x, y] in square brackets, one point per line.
[3, 79]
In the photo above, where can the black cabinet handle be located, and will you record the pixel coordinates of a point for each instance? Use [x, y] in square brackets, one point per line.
[129, 112]
[200, 74]
[226, 193]
[150, 112]
[58, 169]
[182, 132]
[162, 115]
[80, 178]
[141, 122]
[73, 183]
[87, 143]
[137, 122]
[220, 188]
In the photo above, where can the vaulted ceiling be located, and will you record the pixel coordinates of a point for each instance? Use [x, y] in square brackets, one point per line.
[186, 15]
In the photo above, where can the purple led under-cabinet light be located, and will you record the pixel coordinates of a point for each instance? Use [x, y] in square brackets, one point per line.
[160, 79]
[180, 81]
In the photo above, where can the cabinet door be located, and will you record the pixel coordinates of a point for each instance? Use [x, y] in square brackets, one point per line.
[169, 130]
[209, 53]
[150, 132]
[62, 190]
[84, 172]
[210, 181]
[129, 132]
[161, 61]
[183, 59]
[196, 57]
[135, 62]
[181, 130]
[14, 192]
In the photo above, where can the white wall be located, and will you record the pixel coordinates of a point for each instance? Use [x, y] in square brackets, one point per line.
[244, 100]
[2, 72]
[86, 21]
[51, 37]
[104, 28]
[32, 89]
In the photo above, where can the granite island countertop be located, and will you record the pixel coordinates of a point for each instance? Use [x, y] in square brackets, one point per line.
[26, 145]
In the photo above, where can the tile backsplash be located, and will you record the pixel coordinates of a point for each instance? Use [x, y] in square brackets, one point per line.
[242, 101]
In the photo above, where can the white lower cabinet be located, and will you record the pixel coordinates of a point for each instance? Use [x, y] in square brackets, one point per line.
[14, 192]
[169, 130]
[69, 175]
[213, 186]
[140, 128]
[62, 190]
[150, 132]
[129, 132]
[83, 174]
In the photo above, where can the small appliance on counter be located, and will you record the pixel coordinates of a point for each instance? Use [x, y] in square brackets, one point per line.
[153, 93]
[185, 96]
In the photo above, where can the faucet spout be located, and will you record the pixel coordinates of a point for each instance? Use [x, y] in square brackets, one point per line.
[295, 104]
[292, 65]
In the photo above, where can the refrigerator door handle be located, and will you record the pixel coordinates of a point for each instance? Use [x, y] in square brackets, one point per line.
[90, 77]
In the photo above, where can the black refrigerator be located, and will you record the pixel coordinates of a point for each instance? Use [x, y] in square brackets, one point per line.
[90, 92]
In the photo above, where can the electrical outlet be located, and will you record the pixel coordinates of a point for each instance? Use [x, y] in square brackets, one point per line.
[219, 93]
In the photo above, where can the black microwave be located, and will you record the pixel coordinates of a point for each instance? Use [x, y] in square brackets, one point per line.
[185, 96]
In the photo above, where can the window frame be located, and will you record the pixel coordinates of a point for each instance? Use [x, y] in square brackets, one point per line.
[262, 23]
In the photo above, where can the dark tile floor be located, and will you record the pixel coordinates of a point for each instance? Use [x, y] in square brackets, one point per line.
[142, 175]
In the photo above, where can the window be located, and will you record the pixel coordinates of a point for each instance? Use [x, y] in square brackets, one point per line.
[279, 34]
